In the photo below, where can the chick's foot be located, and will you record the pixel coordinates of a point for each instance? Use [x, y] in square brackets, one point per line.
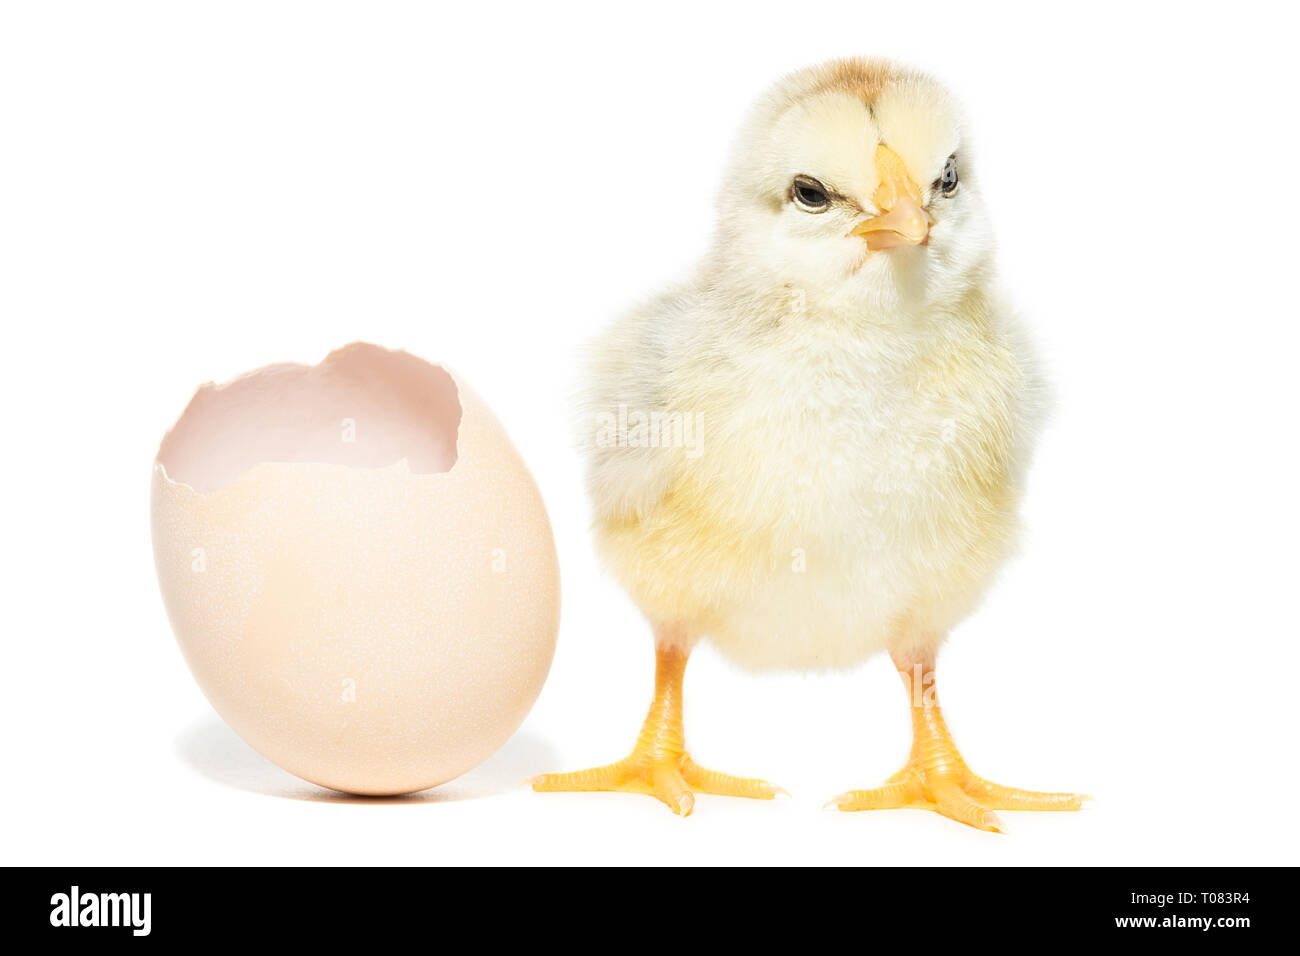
[659, 764]
[936, 778]
[674, 779]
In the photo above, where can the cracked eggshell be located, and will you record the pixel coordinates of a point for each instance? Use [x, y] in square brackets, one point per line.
[358, 568]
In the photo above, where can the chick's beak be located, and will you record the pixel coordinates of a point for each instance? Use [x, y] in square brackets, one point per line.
[904, 221]
[907, 224]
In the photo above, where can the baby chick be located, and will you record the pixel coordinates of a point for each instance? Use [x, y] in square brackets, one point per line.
[813, 450]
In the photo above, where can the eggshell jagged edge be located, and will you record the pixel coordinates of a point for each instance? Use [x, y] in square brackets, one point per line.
[211, 388]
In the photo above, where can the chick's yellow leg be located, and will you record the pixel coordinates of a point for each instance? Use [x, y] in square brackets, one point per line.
[935, 776]
[659, 764]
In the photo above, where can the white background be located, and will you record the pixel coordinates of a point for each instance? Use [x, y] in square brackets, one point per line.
[191, 191]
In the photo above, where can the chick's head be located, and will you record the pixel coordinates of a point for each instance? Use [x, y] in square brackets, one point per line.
[852, 182]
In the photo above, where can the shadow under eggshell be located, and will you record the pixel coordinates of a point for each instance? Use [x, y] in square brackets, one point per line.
[358, 567]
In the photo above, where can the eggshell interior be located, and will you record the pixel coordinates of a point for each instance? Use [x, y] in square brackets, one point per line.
[358, 567]
[361, 407]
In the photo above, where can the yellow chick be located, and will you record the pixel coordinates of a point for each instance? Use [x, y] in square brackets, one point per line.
[813, 450]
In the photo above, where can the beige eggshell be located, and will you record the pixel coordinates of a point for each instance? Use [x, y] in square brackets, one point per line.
[358, 567]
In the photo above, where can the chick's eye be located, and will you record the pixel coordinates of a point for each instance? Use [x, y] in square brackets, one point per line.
[809, 195]
[947, 181]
